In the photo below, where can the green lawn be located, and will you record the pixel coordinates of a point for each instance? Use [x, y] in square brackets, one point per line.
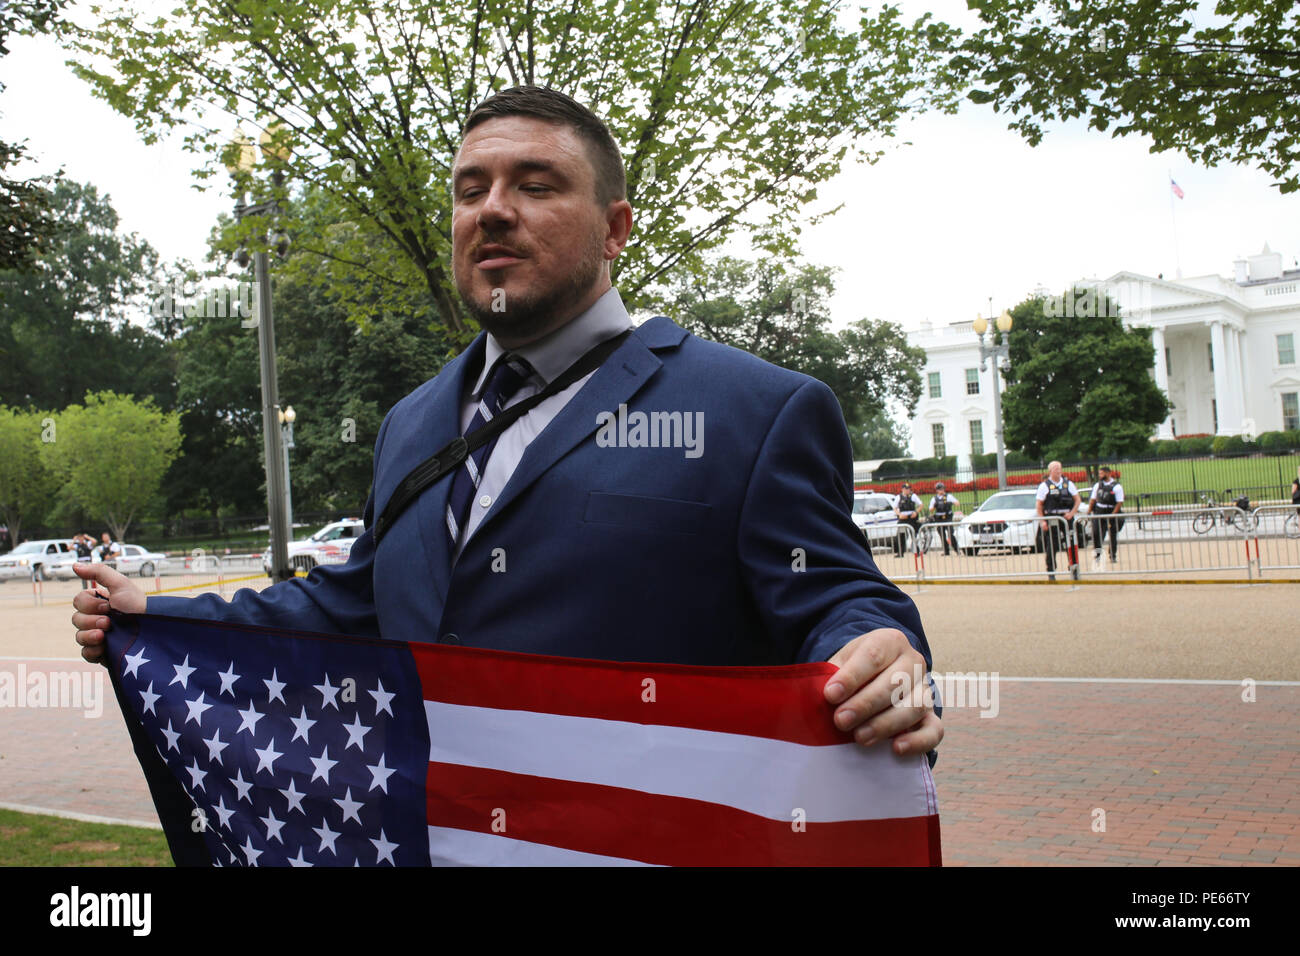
[28, 839]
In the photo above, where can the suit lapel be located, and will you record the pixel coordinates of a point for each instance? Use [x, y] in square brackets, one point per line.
[440, 424]
[620, 377]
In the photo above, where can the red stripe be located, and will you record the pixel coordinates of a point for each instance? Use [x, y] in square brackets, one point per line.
[672, 831]
[782, 703]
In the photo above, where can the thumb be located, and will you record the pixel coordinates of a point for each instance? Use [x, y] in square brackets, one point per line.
[111, 578]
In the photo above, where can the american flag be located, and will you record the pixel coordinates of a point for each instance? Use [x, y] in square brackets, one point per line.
[309, 749]
[1178, 190]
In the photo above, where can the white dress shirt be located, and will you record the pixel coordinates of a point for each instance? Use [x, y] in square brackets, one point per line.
[549, 356]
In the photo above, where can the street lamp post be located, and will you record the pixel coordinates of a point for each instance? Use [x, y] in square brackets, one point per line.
[998, 352]
[287, 417]
[276, 467]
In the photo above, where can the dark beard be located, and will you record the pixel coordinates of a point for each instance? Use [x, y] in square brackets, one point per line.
[526, 319]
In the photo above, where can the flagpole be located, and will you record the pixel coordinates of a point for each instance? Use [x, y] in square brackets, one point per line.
[1178, 262]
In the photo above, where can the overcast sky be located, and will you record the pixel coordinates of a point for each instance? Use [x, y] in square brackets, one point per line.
[967, 211]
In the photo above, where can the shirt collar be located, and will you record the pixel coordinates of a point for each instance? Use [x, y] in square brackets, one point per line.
[553, 353]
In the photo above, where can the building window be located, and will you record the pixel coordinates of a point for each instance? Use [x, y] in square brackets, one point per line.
[972, 381]
[1286, 349]
[1291, 411]
[976, 437]
[1214, 410]
[936, 433]
[935, 390]
[1209, 350]
[1169, 366]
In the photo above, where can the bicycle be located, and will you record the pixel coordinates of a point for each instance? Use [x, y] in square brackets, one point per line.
[1239, 517]
[1291, 527]
[929, 536]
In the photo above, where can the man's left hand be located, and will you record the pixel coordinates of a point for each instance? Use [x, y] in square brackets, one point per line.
[878, 694]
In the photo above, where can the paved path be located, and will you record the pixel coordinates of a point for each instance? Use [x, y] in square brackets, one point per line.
[1186, 773]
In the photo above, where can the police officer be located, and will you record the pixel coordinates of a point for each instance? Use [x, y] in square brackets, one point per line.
[84, 544]
[943, 509]
[1057, 496]
[1106, 499]
[908, 509]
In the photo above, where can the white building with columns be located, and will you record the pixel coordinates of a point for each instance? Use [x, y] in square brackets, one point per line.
[1225, 355]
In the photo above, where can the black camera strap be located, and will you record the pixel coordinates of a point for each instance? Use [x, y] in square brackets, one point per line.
[447, 459]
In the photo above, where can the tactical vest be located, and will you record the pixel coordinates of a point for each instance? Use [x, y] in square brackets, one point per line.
[943, 507]
[1105, 498]
[1059, 500]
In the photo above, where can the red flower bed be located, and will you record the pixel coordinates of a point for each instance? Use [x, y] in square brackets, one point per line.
[988, 483]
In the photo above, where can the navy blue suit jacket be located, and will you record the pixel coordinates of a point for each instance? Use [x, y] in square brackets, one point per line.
[744, 555]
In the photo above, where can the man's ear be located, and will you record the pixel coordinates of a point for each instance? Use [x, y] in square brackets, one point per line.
[618, 223]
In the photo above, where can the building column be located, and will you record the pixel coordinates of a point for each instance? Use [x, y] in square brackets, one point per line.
[1222, 393]
[1236, 382]
[1166, 429]
[1243, 376]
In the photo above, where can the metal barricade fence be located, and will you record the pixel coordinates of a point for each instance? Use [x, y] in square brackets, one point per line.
[1275, 537]
[1183, 542]
[1163, 544]
[1009, 548]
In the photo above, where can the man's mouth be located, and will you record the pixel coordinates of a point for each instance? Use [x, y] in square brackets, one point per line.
[493, 256]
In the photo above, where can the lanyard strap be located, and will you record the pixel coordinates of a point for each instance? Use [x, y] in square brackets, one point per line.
[444, 461]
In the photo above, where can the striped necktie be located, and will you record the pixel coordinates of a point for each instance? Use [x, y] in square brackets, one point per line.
[507, 377]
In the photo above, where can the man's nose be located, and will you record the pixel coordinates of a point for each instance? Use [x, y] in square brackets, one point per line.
[497, 208]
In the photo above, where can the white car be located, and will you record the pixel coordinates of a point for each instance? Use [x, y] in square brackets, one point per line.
[1008, 521]
[133, 559]
[34, 558]
[330, 545]
[873, 513]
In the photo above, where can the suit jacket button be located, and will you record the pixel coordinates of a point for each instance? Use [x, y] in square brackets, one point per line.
[450, 639]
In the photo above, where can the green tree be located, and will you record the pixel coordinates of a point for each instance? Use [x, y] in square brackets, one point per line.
[109, 455]
[24, 483]
[880, 436]
[730, 114]
[780, 311]
[68, 325]
[27, 220]
[1214, 86]
[219, 399]
[1079, 385]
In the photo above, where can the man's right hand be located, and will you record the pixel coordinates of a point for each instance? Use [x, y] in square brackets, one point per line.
[92, 605]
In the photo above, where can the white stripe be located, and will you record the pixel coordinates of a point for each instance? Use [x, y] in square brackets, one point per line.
[452, 528]
[771, 778]
[451, 847]
[472, 468]
[485, 412]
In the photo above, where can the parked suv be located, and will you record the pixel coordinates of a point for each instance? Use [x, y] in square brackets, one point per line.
[30, 559]
[873, 513]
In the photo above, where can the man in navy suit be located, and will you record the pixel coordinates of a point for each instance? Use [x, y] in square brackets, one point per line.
[685, 502]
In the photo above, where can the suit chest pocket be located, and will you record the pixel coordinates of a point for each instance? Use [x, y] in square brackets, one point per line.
[663, 515]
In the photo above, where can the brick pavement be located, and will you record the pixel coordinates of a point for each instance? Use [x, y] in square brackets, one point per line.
[1186, 775]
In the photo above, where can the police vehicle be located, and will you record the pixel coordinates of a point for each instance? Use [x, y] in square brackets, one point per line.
[330, 545]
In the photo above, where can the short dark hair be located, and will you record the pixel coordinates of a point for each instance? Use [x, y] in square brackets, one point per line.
[552, 106]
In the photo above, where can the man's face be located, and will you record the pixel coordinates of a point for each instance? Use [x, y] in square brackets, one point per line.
[529, 240]
[1055, 471]
[105, 537]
